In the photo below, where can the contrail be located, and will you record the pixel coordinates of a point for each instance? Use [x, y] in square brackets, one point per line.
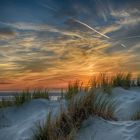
[131, 37]
[123, 45]
[49, 7]
[92, 29]
[86, 25]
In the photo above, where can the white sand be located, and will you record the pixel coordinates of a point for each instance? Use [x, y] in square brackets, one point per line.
[127, 103]
[16, 123]
[99, 129]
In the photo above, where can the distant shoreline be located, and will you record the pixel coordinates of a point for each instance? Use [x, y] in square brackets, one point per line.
[54, 95]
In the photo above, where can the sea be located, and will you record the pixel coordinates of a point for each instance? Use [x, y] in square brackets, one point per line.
[8, 95]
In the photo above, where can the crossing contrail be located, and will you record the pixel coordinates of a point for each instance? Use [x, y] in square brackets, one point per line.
[91, 28]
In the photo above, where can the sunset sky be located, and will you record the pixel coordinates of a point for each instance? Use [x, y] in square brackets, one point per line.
[46, 43]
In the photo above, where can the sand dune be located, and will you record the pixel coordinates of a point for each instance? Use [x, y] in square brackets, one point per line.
[17, 123]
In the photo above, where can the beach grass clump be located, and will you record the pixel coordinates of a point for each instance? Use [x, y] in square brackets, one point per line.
[136, 116]
[6, 102]
[68, 122]
[44, 131]
[101, 81]
[103, 106]
[92, 104]
[21, 98]
[59, 129]
[39, 93]
[64, 126]
[73, 89]
[80, 109]
[105, 83]
[16, 100]
[25, 96]
[138, 81]
[108, 81]
[122, 80]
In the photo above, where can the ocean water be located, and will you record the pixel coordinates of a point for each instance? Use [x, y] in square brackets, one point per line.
[8, 95]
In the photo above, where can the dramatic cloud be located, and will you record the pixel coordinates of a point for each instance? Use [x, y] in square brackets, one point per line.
[6, 33]
[126, 17]
[59, 41]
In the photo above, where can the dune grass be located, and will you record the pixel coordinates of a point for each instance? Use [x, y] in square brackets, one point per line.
[136, 116]
[6, 103]
[73, 89]
[122, 80]
[25, 96]
[93, 104]
[62, 94]
[59, 129]
[107, 82]
[104, 82]
[39, 93]
[138, 80]
[21, 98]
[65, 126]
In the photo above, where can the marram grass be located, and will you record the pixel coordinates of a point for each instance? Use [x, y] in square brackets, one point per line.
[20, 98]
[73, 89]
[6, 103]
[38, 93]
[136, 116]
[60, 129]
[122, 80]
[103, 81]
[65, 126]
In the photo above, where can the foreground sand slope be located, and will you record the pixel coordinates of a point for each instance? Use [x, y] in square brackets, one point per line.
[17, 123]
[127, 104]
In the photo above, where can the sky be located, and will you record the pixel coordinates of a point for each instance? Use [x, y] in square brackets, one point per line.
[47, 43]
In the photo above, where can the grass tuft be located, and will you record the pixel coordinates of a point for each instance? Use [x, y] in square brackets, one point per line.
[60, 129]
[68, 122]
[138, 80]
[136, 116]
[6, 102]
[73, 89]
[122, 80]
[23, 97]
[38, 93]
